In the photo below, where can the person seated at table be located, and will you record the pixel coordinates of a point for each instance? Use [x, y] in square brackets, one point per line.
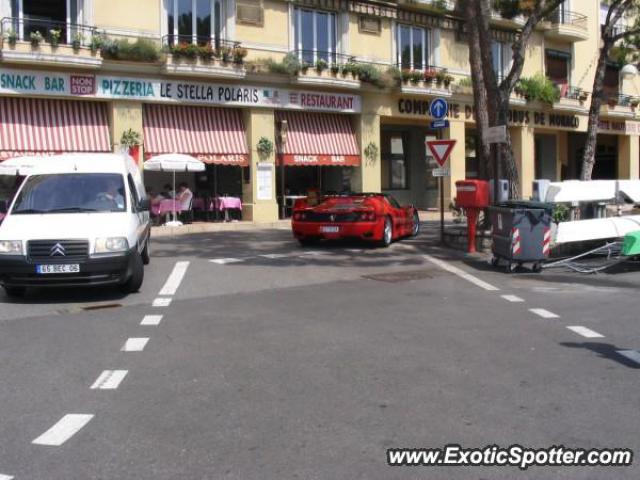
[154, 198]
[185, 198]
[167, 191]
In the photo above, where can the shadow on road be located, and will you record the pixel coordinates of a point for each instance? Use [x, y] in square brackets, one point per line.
[604, 350]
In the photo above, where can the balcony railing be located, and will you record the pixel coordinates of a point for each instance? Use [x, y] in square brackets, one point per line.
[311, 57]
[622, 100]
[566, 17]
[53, 32]
[202, 41]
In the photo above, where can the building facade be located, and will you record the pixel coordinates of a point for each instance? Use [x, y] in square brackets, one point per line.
[279, 97]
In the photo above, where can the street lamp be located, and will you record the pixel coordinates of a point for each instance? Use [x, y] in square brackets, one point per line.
[284, 131]
[629, 71]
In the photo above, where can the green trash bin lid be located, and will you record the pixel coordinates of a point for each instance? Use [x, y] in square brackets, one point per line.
[631, 244]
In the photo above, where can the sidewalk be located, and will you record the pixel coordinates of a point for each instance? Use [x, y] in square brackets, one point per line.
[211, 227]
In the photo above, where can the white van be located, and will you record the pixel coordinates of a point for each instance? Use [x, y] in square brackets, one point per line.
[77, 219]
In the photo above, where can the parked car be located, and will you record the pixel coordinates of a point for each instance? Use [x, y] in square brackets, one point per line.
[77, 219]
[372, 217]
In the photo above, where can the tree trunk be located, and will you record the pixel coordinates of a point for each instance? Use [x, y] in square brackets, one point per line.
[597, 95]
[480, 104]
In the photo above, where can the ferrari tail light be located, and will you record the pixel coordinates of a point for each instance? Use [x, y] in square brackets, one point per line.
[367, 216]
[299, 216]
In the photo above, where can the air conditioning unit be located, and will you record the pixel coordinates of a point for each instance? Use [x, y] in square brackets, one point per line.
[503, 190]
[540, 188]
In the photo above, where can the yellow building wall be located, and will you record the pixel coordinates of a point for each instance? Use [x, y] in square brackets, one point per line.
[124, 115]
[140, 15]
[370, 46]
[454, 54]
[586, 51]
[266, 40]
[534, 56]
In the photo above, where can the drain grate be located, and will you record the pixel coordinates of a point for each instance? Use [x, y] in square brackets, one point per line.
[397, 277]
[101, 306]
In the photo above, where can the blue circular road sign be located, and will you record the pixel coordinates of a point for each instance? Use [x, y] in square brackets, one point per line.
[438, 108]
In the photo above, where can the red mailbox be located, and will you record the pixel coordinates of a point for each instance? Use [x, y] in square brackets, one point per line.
[472, 195]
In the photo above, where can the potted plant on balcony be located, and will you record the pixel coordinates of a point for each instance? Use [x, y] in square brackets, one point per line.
[96, 42]
[239, 55]
[429, 77]
[132, 140]
[321, 66]
[416, 77]
[226, 54]
[54, 37]
[612, 101]
[12, 37]
[76, 41]
[440, 76]
[583, 95]
[634, 102]
[36, 39]
[335, 69]
[405, 75]
[206, 53]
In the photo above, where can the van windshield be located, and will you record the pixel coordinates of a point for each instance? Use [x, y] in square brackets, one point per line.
[71, 193]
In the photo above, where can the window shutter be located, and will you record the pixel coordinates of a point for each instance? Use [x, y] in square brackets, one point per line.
[250, 12]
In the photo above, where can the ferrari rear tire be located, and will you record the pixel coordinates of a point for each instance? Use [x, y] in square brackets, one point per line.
[387, 233]
[415, 229]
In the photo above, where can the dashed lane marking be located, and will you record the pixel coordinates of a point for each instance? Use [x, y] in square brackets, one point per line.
[541, 312]
[5, 477]
[512, 298]
[462, 274]
[62, 431]
[109, 380]
[134, 344]
[633, 355]
[585, 332]
[274, 256]
[152, 320]
[226, 261]
[175, 278]
[161, 302]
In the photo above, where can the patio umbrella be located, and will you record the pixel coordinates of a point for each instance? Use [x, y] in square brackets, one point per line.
[174, 162]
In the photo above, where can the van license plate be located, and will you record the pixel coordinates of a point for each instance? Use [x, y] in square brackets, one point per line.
[68, 268]
[329, 229]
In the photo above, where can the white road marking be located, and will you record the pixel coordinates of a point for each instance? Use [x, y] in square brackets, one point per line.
[109, 380]
[5, 477]
[275, 255]
[161, 302]
[62, 431]
[134, 344]
[175, 278]
[462, 274]
[354, 250]
[541, 312]
[512, 298]
[585, 332]
[151, 320]
[633, 355]
[313, 252]
[225, 261]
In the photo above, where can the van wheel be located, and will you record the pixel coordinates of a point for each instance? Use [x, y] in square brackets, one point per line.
[146, 257]
[137, 275]
[15, 292]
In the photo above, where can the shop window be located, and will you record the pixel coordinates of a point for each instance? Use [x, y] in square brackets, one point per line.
[46, 15]
[250, 12]
[501, 53]
[412, 47]
[395, 175]
[315, 35]
[194, 21]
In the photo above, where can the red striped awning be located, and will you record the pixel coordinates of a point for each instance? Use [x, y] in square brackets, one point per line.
[318, 139]
[213, 135]
[44, 127]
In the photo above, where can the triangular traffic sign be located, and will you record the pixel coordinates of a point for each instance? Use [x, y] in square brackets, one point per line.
[441, 149]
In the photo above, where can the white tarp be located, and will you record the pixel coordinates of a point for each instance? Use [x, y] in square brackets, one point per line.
[596, 229]
[592, 191]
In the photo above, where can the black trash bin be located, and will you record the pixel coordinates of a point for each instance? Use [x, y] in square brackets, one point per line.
[521, 233]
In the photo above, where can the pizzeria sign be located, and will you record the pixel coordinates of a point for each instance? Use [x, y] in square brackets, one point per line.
[21, 82]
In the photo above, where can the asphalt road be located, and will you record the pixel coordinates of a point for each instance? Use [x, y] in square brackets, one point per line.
[277, 362]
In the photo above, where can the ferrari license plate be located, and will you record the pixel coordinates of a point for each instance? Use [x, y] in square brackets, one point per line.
[329, 229]
[67, 268]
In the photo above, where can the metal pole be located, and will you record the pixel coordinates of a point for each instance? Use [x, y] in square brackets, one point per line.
[283, 206]
[441, 209]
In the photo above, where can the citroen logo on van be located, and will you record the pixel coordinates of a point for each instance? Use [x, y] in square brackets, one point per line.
[57, 251]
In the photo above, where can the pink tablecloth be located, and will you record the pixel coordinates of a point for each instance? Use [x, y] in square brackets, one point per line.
[166, 206]
[224, 203]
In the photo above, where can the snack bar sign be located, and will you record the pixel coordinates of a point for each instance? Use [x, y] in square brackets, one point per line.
[171, 91]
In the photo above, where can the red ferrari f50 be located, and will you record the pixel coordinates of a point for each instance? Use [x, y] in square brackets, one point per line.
[373, 217]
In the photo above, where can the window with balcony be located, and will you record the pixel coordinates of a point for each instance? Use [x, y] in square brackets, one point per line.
[611, 86]
[412, 47]
[194, 21]
[45, 16]
[557, 67]
[315, 35]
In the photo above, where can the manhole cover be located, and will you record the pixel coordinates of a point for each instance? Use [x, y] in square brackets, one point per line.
[396, 277]
[101, 306]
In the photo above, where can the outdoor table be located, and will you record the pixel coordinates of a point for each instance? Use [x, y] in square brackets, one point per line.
[224, 204]
[167, 207]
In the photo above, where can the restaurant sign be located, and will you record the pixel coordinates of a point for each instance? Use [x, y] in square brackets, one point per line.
[20, 82]
[320, 160]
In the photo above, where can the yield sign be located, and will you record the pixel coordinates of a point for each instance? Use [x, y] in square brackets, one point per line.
[441, 149]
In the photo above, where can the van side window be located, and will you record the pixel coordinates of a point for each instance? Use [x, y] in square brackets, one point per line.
[133, 194]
